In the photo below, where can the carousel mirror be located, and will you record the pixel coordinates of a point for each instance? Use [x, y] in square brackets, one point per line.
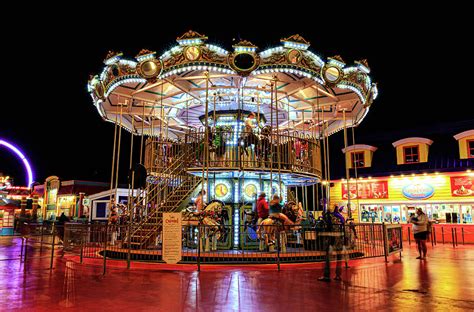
[294, 56]
[150, 69]
[332, 74]
[244, 61]
[192, 53]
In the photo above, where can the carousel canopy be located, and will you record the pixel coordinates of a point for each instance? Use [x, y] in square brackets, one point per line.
[290, 85]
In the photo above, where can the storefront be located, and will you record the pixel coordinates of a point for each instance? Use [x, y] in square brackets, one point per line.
[444, 197]
[66, 197]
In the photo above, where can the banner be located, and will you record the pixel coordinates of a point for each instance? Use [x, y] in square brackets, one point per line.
[172, 237]
[366, 190]
[462, 186]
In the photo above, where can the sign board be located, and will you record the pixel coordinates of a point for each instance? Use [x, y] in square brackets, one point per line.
[393, 238]
[172, 237]
[366, 190]
[418, 191]
[462, 186]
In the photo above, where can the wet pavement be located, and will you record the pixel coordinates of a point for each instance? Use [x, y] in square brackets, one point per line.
[444, 282]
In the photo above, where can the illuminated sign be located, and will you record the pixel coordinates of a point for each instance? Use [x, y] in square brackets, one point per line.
[366, 190]
[5, 182]
[462, 186]
[418, 191]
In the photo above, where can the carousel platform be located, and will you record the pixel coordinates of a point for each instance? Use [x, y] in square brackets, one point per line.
[229, 256]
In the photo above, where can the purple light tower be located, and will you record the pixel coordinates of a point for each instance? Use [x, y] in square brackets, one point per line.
[21, 156]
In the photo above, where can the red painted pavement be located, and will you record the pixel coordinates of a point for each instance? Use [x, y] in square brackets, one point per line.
[444, 282]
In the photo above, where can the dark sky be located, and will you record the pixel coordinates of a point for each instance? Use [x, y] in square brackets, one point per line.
[417, 58]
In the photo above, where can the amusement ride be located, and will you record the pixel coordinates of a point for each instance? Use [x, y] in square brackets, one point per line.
[230, 124]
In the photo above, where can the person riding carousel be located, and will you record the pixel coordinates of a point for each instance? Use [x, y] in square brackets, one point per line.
[276, 211]
[250, 136]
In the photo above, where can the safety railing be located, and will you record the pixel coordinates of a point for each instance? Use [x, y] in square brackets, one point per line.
[452, 234]
[284, 150]
[229, 244]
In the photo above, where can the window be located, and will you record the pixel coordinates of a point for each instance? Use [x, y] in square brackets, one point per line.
[358, 160]
[100, 210]
[411, 154]
[470, 149]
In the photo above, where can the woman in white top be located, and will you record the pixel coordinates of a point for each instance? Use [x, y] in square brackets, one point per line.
[420, 231]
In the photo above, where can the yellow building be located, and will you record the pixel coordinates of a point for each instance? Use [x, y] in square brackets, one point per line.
[446, 197]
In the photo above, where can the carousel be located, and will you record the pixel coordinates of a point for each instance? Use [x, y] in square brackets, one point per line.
[230, 125]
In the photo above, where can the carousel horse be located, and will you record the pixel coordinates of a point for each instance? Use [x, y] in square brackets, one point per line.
[213, 217]
[292, 215]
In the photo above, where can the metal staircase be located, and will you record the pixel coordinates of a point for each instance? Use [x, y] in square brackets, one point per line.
[175, 186]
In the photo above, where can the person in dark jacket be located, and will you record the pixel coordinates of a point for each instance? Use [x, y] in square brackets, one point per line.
[262, 208]
[275, 210]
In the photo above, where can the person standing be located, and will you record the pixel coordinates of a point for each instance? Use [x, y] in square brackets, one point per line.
[420, 230]
[200, 201]
[262, 208]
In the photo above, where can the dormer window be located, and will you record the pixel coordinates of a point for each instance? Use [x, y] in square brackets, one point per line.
[411, 154]
[412, 150]
[357, 159]
[466, 144]
[359, 156]
[470, 149]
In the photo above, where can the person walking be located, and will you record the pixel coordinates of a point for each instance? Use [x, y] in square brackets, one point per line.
[262, 208]
[420, 230]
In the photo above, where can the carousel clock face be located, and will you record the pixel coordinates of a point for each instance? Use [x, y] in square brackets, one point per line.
[250, 190]
[192, 53]
[221, 190]
[294, 56]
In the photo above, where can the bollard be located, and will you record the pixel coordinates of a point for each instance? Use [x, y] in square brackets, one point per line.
[452, 237]
[456, 235]
[21, 249]
[52, 250]
[409, 236]
[462, 234]
[278, 250]
[199, 249]
[26, 249]
[41, 240]
[442, 234]
[105, 249]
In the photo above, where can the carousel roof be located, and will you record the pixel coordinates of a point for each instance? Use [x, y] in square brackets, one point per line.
[169, 90]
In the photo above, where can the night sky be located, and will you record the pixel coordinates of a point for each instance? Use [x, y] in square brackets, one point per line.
[46, 110]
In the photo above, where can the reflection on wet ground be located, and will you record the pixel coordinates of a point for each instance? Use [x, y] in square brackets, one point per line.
[443, 282]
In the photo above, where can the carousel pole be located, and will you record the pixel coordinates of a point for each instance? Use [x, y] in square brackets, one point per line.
[278, 137]
[349, 213]
[130, 196]
[355, 169]
[271, 139]
[205, 168]
[113, 165]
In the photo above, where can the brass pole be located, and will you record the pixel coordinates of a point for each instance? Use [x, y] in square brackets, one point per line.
[113, 166]
[347, 167]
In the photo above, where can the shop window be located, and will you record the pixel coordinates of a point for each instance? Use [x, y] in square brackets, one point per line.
[470, 149]
[357, 159]
[411, 154]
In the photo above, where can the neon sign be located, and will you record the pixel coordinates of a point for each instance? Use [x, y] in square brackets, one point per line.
[21, 156]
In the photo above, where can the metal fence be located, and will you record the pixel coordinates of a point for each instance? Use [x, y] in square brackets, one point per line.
[204, 244]
[444, 234]
[38, 241]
